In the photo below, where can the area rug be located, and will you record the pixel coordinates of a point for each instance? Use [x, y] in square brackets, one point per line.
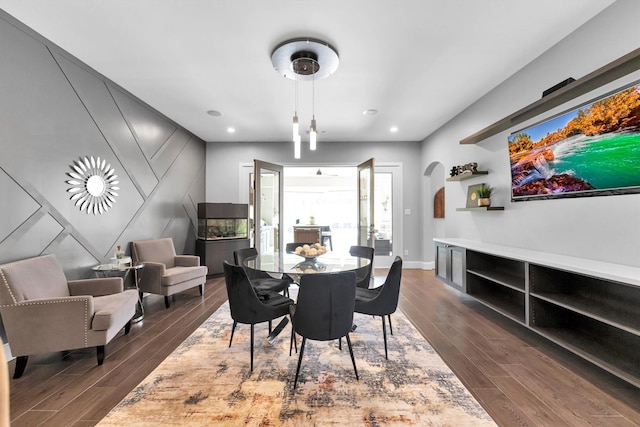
[204, 382]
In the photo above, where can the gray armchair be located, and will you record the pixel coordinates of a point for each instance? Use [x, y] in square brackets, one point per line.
[166, 273]
[42, 312]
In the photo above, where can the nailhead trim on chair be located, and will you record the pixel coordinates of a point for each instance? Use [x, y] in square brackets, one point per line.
[86, 312]
[4, 279]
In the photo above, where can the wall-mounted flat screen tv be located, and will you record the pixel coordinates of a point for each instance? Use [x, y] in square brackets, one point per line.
[592, 150]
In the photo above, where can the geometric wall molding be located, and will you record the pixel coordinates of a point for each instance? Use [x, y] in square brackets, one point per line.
[59, 108]
[22, 205]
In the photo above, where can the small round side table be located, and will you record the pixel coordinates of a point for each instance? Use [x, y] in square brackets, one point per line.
[110, 270]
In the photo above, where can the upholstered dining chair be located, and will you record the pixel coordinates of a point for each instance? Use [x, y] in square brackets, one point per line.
[42, 312]
[324, 310]
[383, 300]
[166, 273]
[245, 305]
[363, 275]
[261, 280]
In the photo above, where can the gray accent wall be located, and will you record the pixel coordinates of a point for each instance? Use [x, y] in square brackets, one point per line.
[55, 110]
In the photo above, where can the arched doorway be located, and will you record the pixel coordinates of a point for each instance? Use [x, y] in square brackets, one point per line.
[433, 224]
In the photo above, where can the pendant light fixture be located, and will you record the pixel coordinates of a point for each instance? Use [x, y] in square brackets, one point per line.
[305, 59]
[296, 125]
[312, 130]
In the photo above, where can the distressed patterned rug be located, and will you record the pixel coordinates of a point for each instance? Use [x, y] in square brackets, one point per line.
[204, 382]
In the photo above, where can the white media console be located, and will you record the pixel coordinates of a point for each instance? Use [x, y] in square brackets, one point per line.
[589, 307]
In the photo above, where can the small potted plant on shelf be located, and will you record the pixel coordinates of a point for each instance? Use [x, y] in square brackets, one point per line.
[312, 220]
[484, 195]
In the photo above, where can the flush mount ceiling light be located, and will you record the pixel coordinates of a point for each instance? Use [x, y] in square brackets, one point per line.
[304, 60]
[325, 56]
[93, 185]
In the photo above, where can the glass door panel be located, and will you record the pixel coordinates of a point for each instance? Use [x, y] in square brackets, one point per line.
[366, 225]
[267, 206]
[383, 211]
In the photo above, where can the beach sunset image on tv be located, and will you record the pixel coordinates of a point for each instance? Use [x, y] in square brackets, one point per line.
[589, 151]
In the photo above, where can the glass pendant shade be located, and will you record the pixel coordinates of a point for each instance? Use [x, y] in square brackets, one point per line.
[296, 127]
[312, 135]
[296, 147]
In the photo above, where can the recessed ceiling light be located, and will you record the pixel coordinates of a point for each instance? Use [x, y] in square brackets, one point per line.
[370, 112]
[214, 113]
[393, 129]
[231, 130]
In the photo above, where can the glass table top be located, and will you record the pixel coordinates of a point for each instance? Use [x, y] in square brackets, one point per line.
[282, 262]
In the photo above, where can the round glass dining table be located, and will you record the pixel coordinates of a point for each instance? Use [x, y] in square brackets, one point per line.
[288, 263]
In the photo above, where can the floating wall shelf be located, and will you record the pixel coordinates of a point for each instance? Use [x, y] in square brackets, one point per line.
[463, 176]
[482, 208]
[610, 72]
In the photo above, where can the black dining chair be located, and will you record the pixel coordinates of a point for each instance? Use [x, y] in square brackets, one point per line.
[260, 280]
[324, 310]
[245, 305]
[363, 275]
[382, 301]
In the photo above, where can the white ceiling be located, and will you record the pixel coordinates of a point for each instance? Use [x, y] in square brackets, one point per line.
[418, 62]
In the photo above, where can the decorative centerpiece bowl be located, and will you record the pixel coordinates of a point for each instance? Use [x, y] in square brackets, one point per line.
[310, 252]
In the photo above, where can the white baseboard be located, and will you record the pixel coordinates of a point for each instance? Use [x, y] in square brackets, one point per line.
[419, 265]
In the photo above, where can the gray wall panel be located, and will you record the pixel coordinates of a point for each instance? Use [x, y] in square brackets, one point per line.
[167, 154]
[21, 207]
[161, 207]
[58, 131]
[181, 225]
[192, 198]
[53, 110]
[95, 96]
[149, 128]
[32, 237]
[72, 256]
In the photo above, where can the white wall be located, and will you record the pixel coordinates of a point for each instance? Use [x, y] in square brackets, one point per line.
[602, 228]
[224, 160]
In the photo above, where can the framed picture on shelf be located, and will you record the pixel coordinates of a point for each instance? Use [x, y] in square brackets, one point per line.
[472, 197]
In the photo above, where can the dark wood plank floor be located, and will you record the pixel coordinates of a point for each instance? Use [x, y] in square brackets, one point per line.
[519, 378]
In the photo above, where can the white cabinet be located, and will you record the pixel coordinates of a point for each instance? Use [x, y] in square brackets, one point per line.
[590, 308]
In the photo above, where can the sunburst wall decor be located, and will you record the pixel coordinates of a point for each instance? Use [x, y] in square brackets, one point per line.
[93, 185]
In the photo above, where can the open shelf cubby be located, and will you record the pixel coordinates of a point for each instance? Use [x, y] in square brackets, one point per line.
[590, 308]
[504, 299]
[504, 271]
[615, 304]
[613, 349]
